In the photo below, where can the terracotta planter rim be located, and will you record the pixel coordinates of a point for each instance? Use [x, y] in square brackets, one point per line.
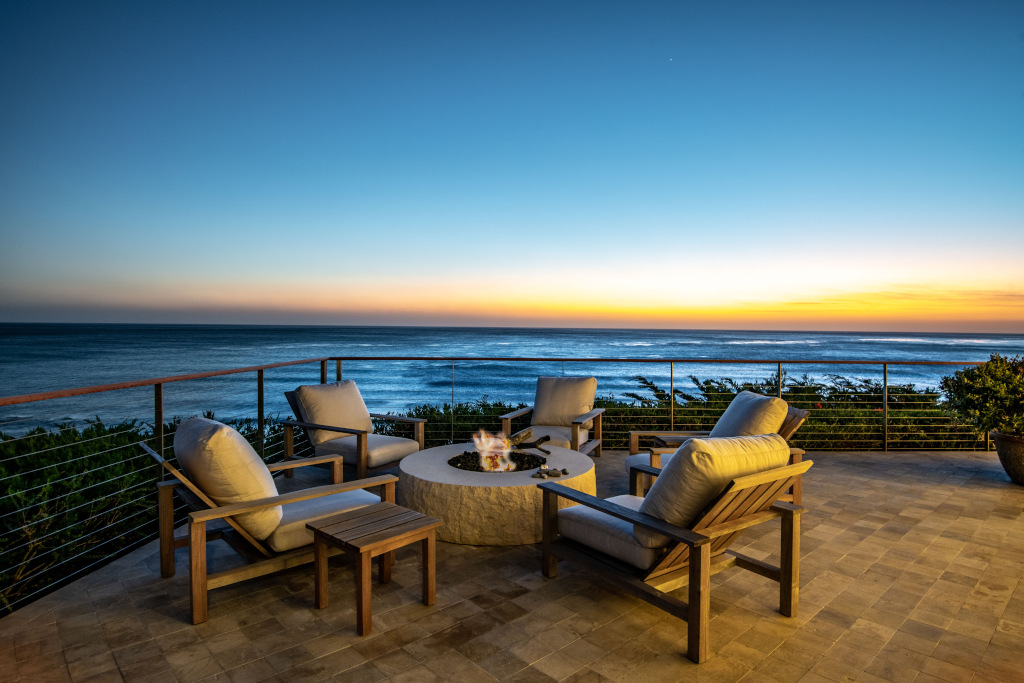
[995, 435]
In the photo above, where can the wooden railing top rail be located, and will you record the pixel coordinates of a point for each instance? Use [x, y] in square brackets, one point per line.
[99, 388]
[764, 361]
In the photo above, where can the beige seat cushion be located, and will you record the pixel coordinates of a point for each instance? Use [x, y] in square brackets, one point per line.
[224, 466]
[338, 404]
[699, 471]
[292, 531]
[380, 449]
[749, 414]
[560, 400]
[560, 436]
[610, 535]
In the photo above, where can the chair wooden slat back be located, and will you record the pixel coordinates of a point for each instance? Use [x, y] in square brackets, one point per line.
[743, 496]
[200, 501]
[794, 418]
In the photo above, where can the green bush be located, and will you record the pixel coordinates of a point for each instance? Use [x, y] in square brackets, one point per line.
[989, 396]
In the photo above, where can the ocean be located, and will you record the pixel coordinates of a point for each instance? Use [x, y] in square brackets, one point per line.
[48, 357]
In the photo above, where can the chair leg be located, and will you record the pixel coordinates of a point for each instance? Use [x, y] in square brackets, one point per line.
[789, 566]
[361, 456]
[197, 570]
[699, 612]
[289, 449]
[598, 435]
[429, 569]
[165, 506]
[549, 520]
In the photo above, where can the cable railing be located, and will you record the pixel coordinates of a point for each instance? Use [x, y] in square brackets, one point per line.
[68, 491]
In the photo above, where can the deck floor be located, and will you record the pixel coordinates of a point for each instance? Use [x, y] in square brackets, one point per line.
[912, 571]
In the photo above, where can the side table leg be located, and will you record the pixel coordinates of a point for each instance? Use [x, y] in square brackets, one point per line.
[364, 580]
[384, 563]
[320, 571]
[429, 577]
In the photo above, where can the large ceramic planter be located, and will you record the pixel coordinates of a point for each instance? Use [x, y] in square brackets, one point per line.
[1011, 454]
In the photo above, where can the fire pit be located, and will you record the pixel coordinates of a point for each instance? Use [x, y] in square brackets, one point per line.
[486, 508]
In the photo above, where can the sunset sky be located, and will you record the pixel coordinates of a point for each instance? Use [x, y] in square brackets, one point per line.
[740, 165]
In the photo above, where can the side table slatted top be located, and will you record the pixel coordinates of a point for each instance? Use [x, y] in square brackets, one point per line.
[368, 532]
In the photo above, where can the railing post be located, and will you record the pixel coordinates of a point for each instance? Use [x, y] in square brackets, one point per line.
[672, 395]
[780, 379]
[158, 417]
[260, 420]
[885, 406]
[453, 401]
[323, 372]
[563, 368]
[337, 370]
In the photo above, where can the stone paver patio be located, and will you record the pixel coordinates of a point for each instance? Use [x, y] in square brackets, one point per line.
[912, 571]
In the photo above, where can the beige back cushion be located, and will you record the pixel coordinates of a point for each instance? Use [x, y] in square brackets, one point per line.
[698, 472]
[224, 466]
[751, 414]
[338, 404]
[560, 400]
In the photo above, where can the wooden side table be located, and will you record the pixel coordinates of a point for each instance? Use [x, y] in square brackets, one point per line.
[365, 533]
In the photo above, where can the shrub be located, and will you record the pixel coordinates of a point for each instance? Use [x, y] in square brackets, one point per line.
[989, 396]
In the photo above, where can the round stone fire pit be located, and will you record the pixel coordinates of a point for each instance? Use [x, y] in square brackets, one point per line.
[485, 508]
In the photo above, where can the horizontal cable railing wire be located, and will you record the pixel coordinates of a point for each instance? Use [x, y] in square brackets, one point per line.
[59, 480]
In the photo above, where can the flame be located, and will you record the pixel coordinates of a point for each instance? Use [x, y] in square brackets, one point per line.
[494, 452]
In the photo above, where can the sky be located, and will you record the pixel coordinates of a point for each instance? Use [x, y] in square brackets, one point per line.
[840, 165]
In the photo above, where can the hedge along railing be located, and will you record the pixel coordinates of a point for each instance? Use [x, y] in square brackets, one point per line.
[71, 499]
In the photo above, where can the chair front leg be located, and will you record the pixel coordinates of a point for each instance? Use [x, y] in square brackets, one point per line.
[289, 448]
[574, 438]
[699, 608]
[361, 456]
[796, 455]
[549, 520]
[597, 435]
[506, 426]
[165, 507]
[789, 565]
[197, 570]
[418, 434]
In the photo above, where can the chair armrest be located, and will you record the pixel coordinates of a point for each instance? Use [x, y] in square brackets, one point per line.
[310, 425]
[636, 487]
[397, 418]
[292, 464]
[587, 417]
[293, 497]
[674, 532]
[783, 506]
[634, 437]
[646, 469]
[517, 413]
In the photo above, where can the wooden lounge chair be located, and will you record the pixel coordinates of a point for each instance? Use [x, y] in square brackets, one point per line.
[267, 545]
[323, 411]
[692, 552]
[563, 411]
[747, 414]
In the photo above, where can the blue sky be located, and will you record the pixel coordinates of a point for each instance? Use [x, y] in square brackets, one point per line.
[839, 165]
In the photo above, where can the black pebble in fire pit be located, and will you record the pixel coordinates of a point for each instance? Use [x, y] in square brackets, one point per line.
[470, 461]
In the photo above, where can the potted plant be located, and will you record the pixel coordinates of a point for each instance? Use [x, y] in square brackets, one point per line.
[991, 397]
